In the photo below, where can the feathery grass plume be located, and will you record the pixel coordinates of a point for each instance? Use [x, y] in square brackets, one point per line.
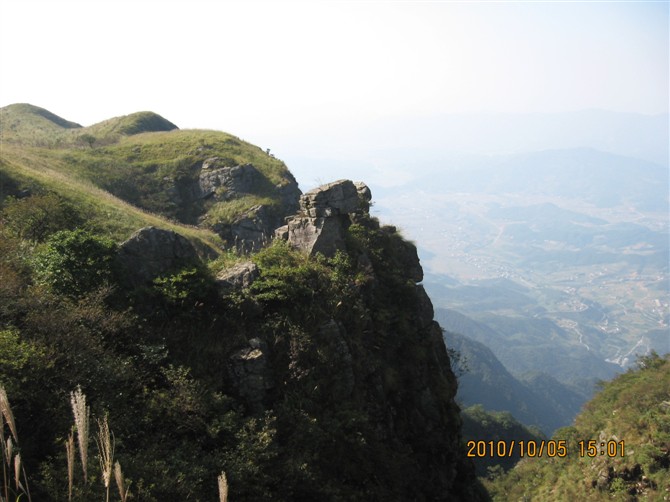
[223, 487]
[81, 421]
[69, 448]
[9, 451]
[105, 443]
[120, 482]
[7, 413]
[17, 471]
[7, 446]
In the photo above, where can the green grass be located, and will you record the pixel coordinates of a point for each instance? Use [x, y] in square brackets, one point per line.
[108, 214]
[634, 408]
[27, 124]
[226, 212]
[124, 178]
[128, 125]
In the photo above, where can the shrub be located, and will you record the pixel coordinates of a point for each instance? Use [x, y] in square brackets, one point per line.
[75, 262]
[37, 217]
[186, 288]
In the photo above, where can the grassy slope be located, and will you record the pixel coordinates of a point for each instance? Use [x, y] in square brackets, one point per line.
[634, 408]
[106, 213]
[126, 178]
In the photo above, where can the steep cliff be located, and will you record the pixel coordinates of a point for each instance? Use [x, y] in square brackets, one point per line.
[347, 348]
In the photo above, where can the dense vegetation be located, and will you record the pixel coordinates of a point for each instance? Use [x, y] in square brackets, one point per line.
[321, 381]
[633, 409]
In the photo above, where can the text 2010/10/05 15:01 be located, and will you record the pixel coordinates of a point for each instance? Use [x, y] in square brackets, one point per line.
[551, 448]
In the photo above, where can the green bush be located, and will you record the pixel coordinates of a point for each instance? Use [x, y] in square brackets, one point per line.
[74, 262]
[37, 217]
[186, 288]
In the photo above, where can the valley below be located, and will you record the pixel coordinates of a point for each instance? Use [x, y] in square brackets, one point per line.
[570, 278]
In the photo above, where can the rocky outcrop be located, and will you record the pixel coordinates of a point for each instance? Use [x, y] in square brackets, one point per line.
[239, 276]
[324, 215]
[351, 359]
[222, 182]
[151, 252]
[250, 230]
[332, 199]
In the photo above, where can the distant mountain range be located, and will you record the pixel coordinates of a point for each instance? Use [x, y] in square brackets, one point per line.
[393, 150]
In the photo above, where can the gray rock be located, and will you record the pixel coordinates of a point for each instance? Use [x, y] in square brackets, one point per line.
[281, 233]
[250, 231]
[290, 195]
[250, 374]
[254, 228]
[229, 182]
[239, 276]
[151, 252]
[316, 235]
[331, 199]
[364, 195]
[325, 214]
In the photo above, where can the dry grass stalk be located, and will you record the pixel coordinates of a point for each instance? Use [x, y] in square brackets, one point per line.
[81, 420]
[9, 451]
[7, 413]
[7, 446]
[69, 448]
[105, 443]
[120, 482]
[17, 471]
[223, 487]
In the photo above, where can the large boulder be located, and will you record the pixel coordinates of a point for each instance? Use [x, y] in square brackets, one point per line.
[316, 235]
[239, 276]
[151, 252]
[331, 199]
[324, 215]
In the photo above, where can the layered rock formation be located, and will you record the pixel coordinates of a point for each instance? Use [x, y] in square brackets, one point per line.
[324, 215]
[219, 181]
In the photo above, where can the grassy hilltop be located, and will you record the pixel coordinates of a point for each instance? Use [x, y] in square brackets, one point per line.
[127, 172]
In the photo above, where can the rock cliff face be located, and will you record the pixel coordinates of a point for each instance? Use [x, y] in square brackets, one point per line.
[250, 230]
[368, 362]
[151, 252]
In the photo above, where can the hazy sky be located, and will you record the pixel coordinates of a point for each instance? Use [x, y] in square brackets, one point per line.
[256, 69]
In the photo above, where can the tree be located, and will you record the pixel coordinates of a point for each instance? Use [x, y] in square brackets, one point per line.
[88, 139]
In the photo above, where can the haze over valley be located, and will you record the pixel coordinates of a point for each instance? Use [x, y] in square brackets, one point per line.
[559, 255]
